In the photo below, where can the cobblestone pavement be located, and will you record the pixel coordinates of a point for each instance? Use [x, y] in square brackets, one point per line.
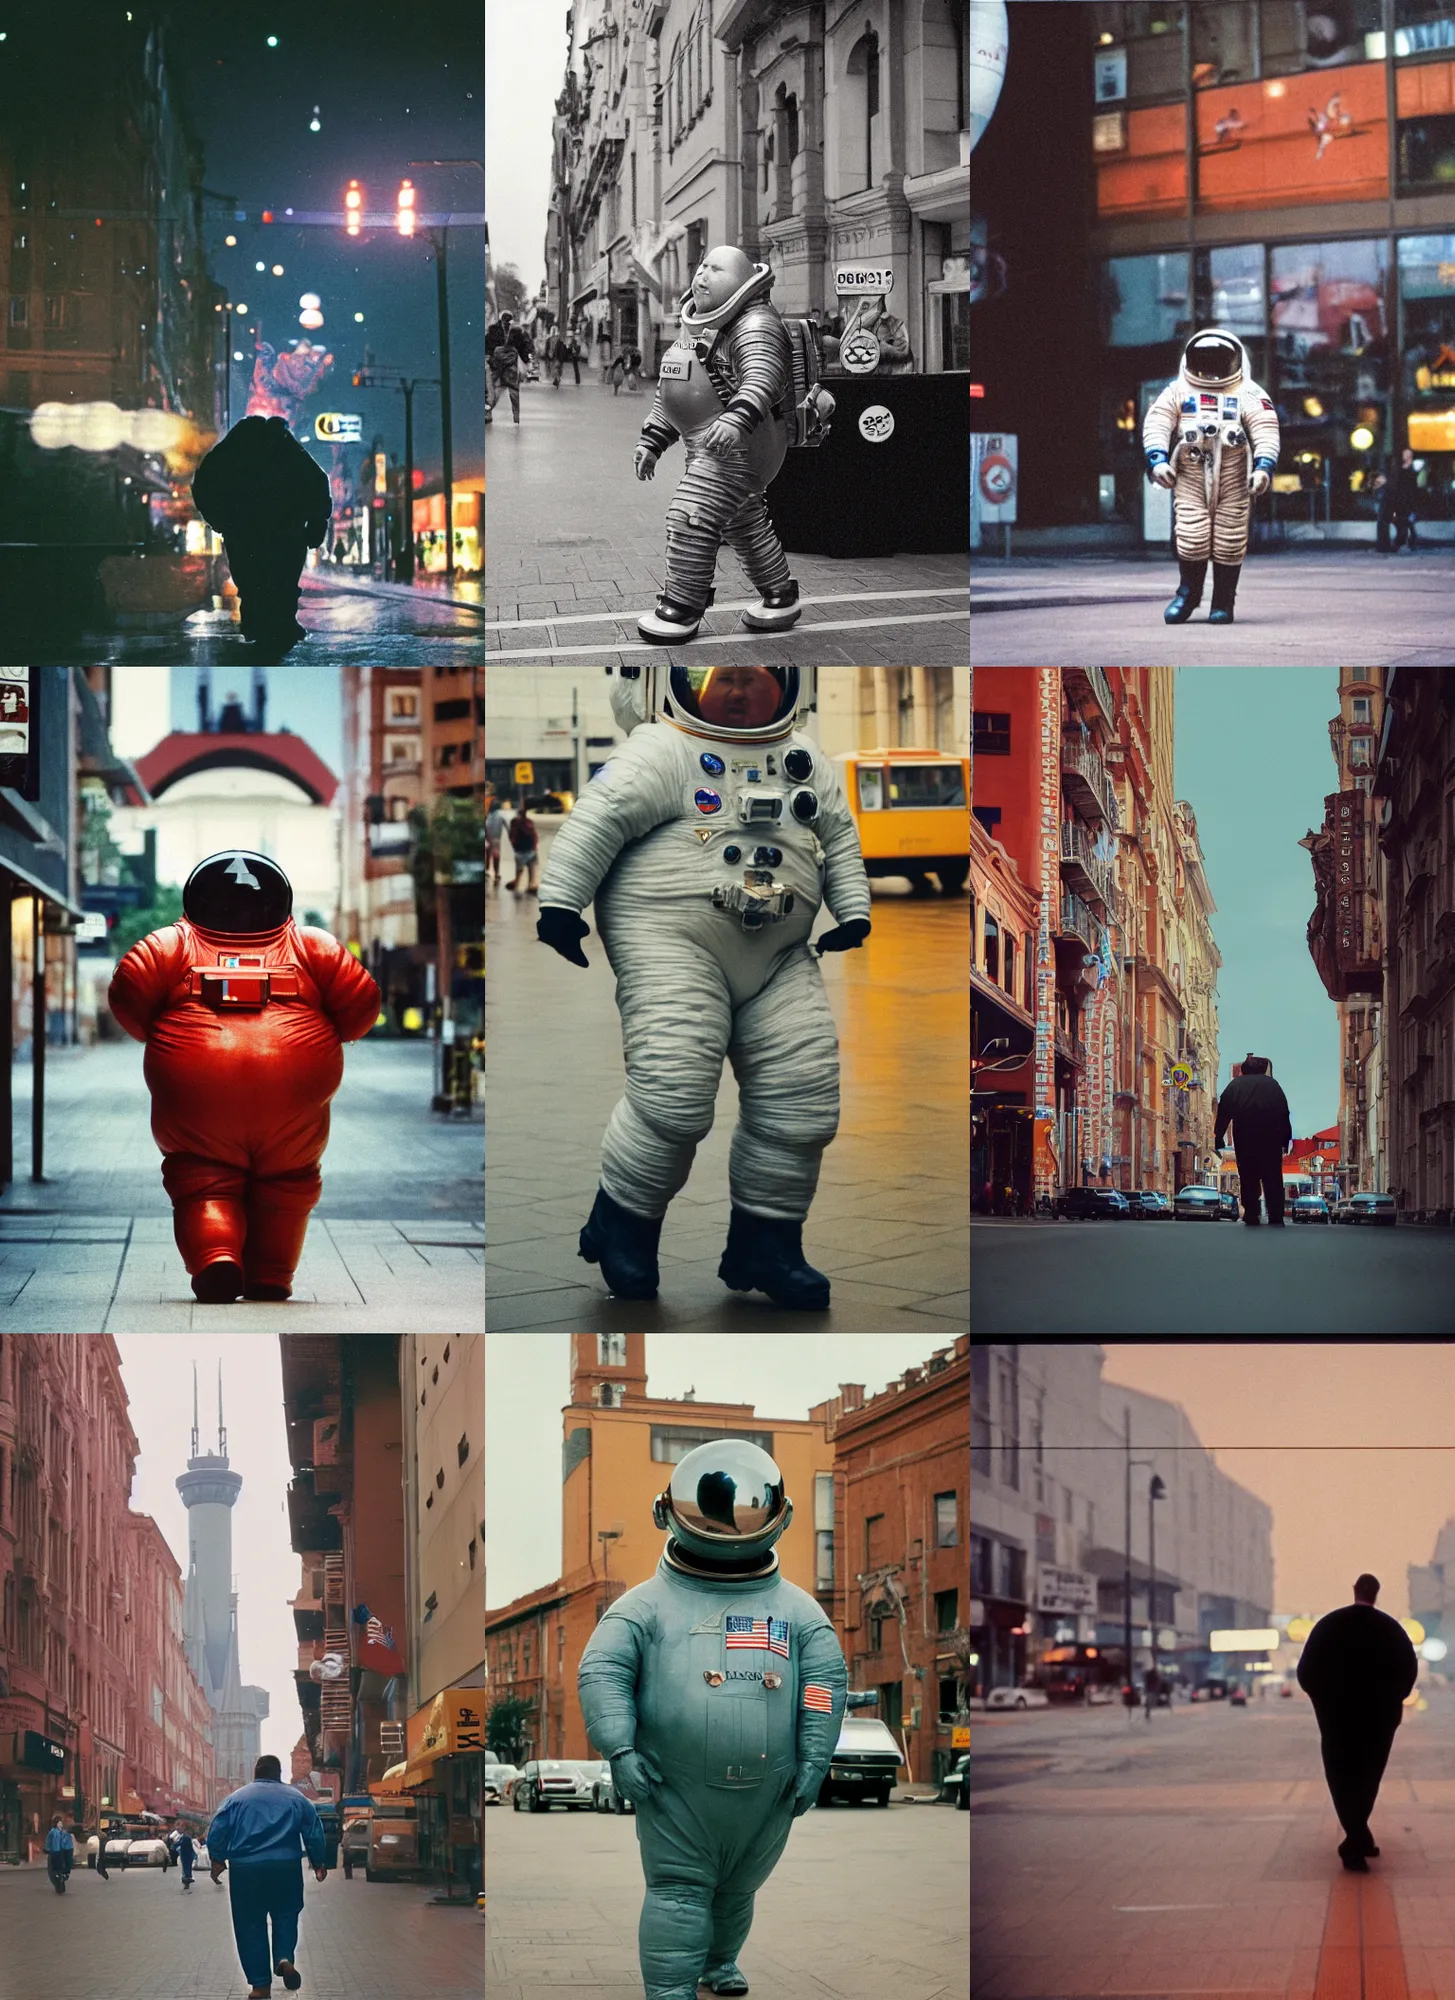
[889, 1224]
[1195, 1855]
[395, 1245]
[576, 546]
[1300, 609]
[351, 624]
[139, 1936]
[866, 1903]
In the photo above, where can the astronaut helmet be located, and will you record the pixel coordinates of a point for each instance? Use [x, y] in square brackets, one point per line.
[743, 704]
[1213, 359]
[238, 891]
[725, 1502]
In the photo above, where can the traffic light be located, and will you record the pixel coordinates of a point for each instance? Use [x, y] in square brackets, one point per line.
[404, 220]
[353, 207]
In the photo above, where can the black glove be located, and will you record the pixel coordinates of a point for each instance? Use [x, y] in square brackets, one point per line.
[848, 937]
[563, 930]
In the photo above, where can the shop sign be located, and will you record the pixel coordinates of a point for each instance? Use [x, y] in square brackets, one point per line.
[959, 1738]
[452, 1725]
[855, 280]
[39, 1753]
[1109, 73]
[993, 468]
[876, 423]
[338, 427]
[859, 352]
[14, 724]
[1069, 1591]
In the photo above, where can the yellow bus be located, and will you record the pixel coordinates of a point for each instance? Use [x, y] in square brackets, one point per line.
[912, 809]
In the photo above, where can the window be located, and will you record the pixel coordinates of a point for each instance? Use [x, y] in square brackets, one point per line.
[1010, 1421]
[823, 1572]
[452, 711]
[1224, 43]
[1359, 753]
[609, 1395]
[611, 1350]
[19, 311]
[1009, 981]
[990, 734]
[403, 704]
[947, 1517]
[401, 750]
[982, 1576]
[671, 1443]
[991, 952]
[873, 1539]
[926, 785]
[1334, 389]
[947, 1610]
[859, 117]
[1296, 36]
[1144, 300]
[1423, 25]
[949, 1700]
[462, 1449]
[1011, 1568]
[1152, 38]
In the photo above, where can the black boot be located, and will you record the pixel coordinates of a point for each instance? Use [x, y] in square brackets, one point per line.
[765, 1254]
[1188, 595]
[624, 1245]
[1225, 589]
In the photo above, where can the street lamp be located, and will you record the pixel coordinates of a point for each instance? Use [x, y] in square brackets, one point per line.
[1155, 1491]
[441, 242]
[353, 208]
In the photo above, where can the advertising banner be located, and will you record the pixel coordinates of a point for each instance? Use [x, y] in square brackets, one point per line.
[1307, 138]
[1070, 1591]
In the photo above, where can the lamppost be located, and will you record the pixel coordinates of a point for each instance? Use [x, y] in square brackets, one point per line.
[1155, 1491]
[1148, 1464]
[440, 240]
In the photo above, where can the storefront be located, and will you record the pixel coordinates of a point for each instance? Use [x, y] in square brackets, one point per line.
[32, 1770]
[444, 1773]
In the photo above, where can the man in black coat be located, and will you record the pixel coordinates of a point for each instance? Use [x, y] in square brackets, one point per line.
[1256, 1108]
[269, 499]
[1357, 1667]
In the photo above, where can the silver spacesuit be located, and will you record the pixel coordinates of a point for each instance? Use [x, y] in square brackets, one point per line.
[1196, 437]
[723, 387]
[708, 843]
[717, 1691]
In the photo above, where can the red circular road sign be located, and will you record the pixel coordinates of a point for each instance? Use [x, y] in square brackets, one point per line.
[997, 478]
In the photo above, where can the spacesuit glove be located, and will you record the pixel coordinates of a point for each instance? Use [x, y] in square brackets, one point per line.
[1163, 475]
[1261, 481]
[645, 461]
[634, 1775]
[723, 434]
[805, 1791]
[848, 937]
[563, 931]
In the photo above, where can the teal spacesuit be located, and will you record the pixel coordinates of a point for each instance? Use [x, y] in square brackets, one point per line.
[716, 1690]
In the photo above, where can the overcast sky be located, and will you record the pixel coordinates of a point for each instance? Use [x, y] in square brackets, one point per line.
[1253, 760]
[528, 1382]
[157, 1371]
[1335, 1512]
[525, 69]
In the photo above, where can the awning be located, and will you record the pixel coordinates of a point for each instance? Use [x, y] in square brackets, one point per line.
[452, 1725]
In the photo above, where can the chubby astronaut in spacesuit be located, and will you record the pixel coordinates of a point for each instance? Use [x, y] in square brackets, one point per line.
[1197, 437]
[716, 1690]
[723, 387]
[708, 843]
[244, 1014]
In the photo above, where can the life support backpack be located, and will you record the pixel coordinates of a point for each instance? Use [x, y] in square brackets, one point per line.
[809, 406]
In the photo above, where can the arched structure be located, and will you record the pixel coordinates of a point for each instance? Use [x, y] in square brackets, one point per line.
[185, 752]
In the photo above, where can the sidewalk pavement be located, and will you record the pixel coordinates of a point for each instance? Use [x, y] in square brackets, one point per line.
[467, 591]
[577, 546]
[1303, 608]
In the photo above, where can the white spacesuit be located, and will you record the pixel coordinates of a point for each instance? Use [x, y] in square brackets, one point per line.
[708, 843]
[717, 1689]
[1196, 437]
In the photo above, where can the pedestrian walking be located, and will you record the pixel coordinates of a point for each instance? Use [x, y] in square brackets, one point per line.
[269, 500]
[187, 1855]
[103, 1832]
[60, 1851]
[525, 845]
[496, 826]
[626, 367]
[263, 1830]
[1357, 1667]
[1398, 487]
[507, 346]
[1256, 1108]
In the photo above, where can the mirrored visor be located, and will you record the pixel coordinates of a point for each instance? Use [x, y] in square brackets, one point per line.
[731, 1490]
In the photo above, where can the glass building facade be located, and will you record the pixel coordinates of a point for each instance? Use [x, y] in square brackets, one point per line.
[1284, 169]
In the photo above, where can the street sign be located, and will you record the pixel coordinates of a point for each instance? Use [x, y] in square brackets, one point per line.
[337, 427]
[525, 774]
[1181, 1076]
[851, 279]
[959, 1739]
[993, 458]
[92, 928]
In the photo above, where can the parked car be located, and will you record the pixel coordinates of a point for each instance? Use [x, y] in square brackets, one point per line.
[1017, 1697]
[1231, 1210]
[605, 1797]
[1149, 1202]
[1213, 1690]
[1237, 1695]
[554, 1781]
[393, 1841]
[955, 1785]
[1090, 1204]
[498, 1780]
[353, 1844]
[1369, 1208]
[866, 1762]
[1308, 1208]
[1196, 1203]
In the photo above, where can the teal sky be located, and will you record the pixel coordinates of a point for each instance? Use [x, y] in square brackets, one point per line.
[1253, 760]
[303, 699]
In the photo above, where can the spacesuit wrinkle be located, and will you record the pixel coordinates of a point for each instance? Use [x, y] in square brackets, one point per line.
[785, 1055]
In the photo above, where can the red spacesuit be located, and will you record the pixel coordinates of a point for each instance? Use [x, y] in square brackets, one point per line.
[244, 1032]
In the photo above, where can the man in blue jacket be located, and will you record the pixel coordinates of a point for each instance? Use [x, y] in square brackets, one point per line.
[263, 1829]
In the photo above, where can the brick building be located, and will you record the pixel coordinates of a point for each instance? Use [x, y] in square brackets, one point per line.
[99, 1710]
[900, 1569]
[383, 781]
[452, 716]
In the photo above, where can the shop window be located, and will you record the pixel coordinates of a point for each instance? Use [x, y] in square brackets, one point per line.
[1144, 300]
[1330, 371]
[1152, 39]
[1230, 289]
[1295, 36]
[1422, 26]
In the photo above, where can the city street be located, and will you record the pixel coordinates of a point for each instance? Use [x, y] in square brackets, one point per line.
[577, 545]
[351, 623]
[1194, 1854]
[140, 1936]
[1298, 609]
[395, 1244]
[864, 1903]
[1168, 1278]
[888, 1224]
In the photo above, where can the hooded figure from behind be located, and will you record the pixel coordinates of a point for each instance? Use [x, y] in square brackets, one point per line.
[244, 1014]
[269, 500]
[1256, 1108]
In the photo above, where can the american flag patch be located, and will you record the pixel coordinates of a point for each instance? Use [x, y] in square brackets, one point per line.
[1208, 402]
[739, 1631]
[1265, 402]
[778, 1636]
[817, 1697]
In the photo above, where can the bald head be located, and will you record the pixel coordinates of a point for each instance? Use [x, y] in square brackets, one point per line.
[722, 272]
[1366, 1588]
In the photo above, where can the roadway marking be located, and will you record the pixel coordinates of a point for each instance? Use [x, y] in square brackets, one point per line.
[1128, 1909]
[800, 633]
[733, 604]
[1360, 1956]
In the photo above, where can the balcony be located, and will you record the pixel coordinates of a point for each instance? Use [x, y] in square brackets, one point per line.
[1089, 684]
[1076, 920]
[1071, 1048]
[1082, 871]
[1084, 781]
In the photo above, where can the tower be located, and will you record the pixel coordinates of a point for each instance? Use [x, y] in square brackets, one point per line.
[209, 1489]
[608, 1367]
